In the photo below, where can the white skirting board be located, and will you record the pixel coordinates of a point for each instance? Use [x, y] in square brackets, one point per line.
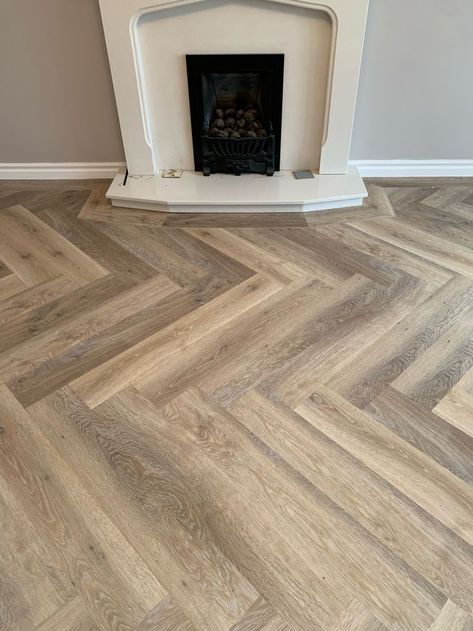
[108, 170]
[414, 168]
[60, 170]
[194, 193]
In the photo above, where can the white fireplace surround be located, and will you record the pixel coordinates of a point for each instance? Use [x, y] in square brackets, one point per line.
[335, 183]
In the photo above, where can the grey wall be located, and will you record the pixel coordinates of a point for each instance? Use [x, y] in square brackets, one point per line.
[416, 90]
[56, 96]
[57, 105]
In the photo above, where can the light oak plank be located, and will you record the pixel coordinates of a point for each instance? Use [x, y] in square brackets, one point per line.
[443, 442]
[99, 208]
[440, 367]
[388, 515]
[358, 618]
[82, 553]
[166, 616]
[145, 496]
[422, 243]
[453, 619]
[36, 252]
[258, 259]
[116, 374]
[433, 275]
[457, 408]
[260, 617]
[210, 355]
[310, 522]
[390, 355]
[347, 332]
[438, 491]
[32, 298]
[73, 617]
[32, 353]
[10, 286]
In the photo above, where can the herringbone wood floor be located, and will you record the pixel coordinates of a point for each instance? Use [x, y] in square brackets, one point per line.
[245, 423]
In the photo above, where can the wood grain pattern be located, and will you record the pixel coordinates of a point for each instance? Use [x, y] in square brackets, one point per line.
[10, 286]
[443, 442]
[453, 618]
[36, 252]
[99, 208]
[390, 356]
[260, 617]
[358, 618]
[167, 616]
[446, 497]
[421, 242]
[73, 617]
[236, 422]
[116, 374]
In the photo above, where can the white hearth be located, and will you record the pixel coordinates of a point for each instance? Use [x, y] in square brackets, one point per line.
[322, 44]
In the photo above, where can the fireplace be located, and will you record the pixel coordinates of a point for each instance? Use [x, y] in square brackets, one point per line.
[168, 119]
[236, 112]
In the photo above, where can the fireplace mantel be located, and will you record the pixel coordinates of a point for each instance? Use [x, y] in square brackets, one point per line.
[122, 18]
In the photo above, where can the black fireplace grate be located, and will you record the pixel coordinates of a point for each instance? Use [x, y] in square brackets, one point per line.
[238, 155]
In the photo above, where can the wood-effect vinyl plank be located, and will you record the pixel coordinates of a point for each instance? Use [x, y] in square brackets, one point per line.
[259, 260]
[358, 618]
[451, 226]
[286, 250]
[130, 476]
[111, 255]
[339, 260]
[347, 329]
[436, 371]
[457, 408]
[442, 441]
[433, 275]
[36, 252]
[50, 506]
[453, 619]
[260, 617]
[435, 489]
[99, 208]
[234, 220]
[73, 617]
[92, 352]
[398, 348]
[382, 510]
[32, 322]
[310, 523]
[32, 298]
[236, 422]
[116, 374]
[206, 357]
[143, 245]
[167, 616]
[422, 243]
[9, 286]
[30, 355]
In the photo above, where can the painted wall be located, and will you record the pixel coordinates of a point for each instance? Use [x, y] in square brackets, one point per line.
[57, 104]
[416, 89]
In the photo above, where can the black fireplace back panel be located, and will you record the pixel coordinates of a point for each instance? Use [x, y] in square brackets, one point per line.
[236, 81]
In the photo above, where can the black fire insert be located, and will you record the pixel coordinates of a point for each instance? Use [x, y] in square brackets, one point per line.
[236, 112]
